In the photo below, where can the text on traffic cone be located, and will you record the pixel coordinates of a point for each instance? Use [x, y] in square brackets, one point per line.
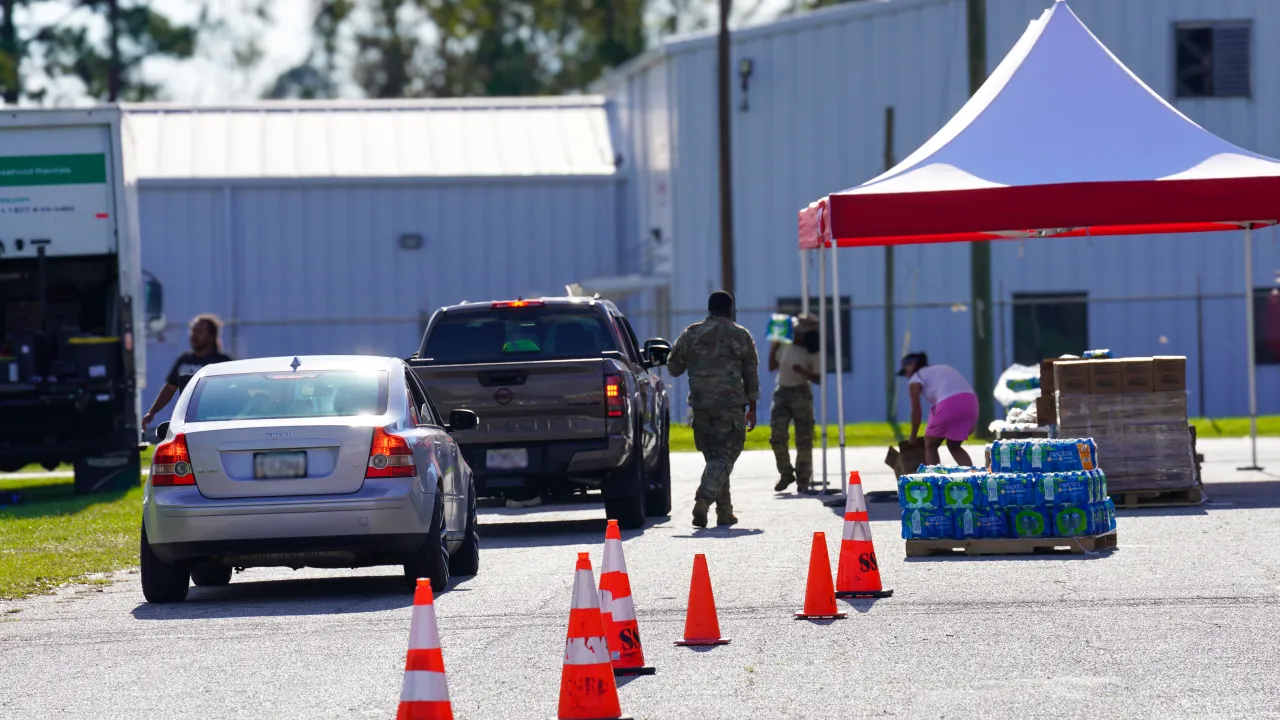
[618, 610]
[819, 592]
[701, 626]
[587, 688]
[858, 573]
[424, 695]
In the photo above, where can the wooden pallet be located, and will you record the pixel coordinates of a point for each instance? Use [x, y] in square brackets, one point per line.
[1139, 499]
[1013, 546]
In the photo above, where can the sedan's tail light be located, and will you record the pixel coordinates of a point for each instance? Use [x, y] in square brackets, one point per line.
[613, 395]
[171, 464]
[390, 457]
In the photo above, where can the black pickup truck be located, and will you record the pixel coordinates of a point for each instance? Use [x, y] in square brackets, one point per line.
[567, 397]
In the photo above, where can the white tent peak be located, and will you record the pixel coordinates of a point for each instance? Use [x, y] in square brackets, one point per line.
[1061, 108]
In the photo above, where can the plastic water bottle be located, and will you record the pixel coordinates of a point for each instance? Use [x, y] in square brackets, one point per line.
[927, 524]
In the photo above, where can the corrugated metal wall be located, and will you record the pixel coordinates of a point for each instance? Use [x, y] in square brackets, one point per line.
[815, 124]
[317, 268]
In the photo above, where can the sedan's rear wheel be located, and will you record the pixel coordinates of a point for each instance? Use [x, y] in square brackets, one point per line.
[162, 582]
[431, 561]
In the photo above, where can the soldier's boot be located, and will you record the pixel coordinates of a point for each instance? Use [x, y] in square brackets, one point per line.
[725, 518]
[700, 508]
[784, 483]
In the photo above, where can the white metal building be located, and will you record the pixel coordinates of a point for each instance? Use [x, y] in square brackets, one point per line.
[333, 227]
[832, 74]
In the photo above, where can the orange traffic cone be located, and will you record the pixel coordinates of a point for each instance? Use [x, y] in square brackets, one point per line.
[819, 593]
[858, 575]
[424, 695]
[618, 610]
[701, 627]
[587, 688]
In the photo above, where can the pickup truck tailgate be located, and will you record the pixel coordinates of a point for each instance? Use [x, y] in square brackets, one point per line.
[525, 402]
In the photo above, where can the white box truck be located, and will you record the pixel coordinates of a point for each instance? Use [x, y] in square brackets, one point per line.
[73, 300]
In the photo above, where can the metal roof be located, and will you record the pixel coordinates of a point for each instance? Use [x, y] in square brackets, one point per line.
[523, 137]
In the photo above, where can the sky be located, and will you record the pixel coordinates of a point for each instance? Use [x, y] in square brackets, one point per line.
[286, 41]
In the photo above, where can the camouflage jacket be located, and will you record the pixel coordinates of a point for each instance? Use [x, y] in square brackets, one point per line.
[721, 359]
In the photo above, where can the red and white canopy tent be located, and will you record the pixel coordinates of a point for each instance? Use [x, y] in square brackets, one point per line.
[1062, 140]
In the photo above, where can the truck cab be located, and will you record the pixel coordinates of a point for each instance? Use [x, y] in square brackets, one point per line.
[73, 309]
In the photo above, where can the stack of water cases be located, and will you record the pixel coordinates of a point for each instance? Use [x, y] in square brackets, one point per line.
[1035, 488]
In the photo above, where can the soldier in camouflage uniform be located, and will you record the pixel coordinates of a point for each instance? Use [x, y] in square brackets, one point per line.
[721, 359]
[797, 367]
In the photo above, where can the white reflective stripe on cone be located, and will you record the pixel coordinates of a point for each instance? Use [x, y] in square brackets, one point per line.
[422, 629]
[623, 609]
[613, 559]
[585, 594]
[424, 686]
[855, 501]
[586, 651]
[606, 600]
[857, 530]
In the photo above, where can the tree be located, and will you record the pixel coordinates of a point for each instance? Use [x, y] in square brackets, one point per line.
[316, 76]
[11, 52]
[112, 71]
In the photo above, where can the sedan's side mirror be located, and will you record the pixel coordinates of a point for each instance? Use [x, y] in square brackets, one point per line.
[162, 431]
[657, 351]
[463, 420]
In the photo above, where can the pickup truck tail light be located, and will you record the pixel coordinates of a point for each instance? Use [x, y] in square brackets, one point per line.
[171, 464]
[517, 304]
[613, 395]
[390, 457]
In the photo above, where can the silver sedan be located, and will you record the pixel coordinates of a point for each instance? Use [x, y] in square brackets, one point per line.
[314, 461]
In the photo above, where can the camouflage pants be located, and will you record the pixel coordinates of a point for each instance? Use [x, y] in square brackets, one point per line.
[793, 404]
[719, 435]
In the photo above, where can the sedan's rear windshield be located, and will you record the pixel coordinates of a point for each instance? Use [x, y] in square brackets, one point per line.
[517, 334]
[266, 396]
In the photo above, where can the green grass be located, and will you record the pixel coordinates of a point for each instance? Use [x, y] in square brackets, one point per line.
[64, 468]
[56, 536]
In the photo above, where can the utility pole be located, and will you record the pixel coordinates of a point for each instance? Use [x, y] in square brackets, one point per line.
[726, 150]
[890, 275]
[113, 62]
[980, 252]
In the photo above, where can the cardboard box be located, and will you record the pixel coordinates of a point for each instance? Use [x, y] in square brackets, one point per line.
[1046, 376]
[906, 458]
[1106, 377]
[1071, 377]
[1170, 374]
[1046, 409]
[1139, 375]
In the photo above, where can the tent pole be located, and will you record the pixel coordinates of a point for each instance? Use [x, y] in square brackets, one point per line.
[836, 308]
[822, 352]
[1250, 349]
[804, 284]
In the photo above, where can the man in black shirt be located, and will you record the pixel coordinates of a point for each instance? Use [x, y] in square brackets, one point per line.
[206, 349]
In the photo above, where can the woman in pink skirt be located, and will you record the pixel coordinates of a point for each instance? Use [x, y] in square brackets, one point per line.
[953, 410]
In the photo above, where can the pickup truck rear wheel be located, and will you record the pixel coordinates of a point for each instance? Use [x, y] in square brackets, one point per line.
[628, 505]
[657, 502]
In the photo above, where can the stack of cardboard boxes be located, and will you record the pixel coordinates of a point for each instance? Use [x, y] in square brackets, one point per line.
[1135, 409]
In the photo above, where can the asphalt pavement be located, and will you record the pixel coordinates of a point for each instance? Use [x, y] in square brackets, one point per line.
[1181, 621]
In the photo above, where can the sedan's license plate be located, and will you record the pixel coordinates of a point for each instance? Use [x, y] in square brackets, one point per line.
[507, 459]
[276, 466]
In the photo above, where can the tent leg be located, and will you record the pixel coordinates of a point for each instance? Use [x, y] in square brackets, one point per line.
[822, 355]
[835, 308]
[1249, 351]
[804, 284]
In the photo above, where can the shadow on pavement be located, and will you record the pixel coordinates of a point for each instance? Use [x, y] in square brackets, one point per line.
[702, 534]
[861, 605]
[274, 598]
